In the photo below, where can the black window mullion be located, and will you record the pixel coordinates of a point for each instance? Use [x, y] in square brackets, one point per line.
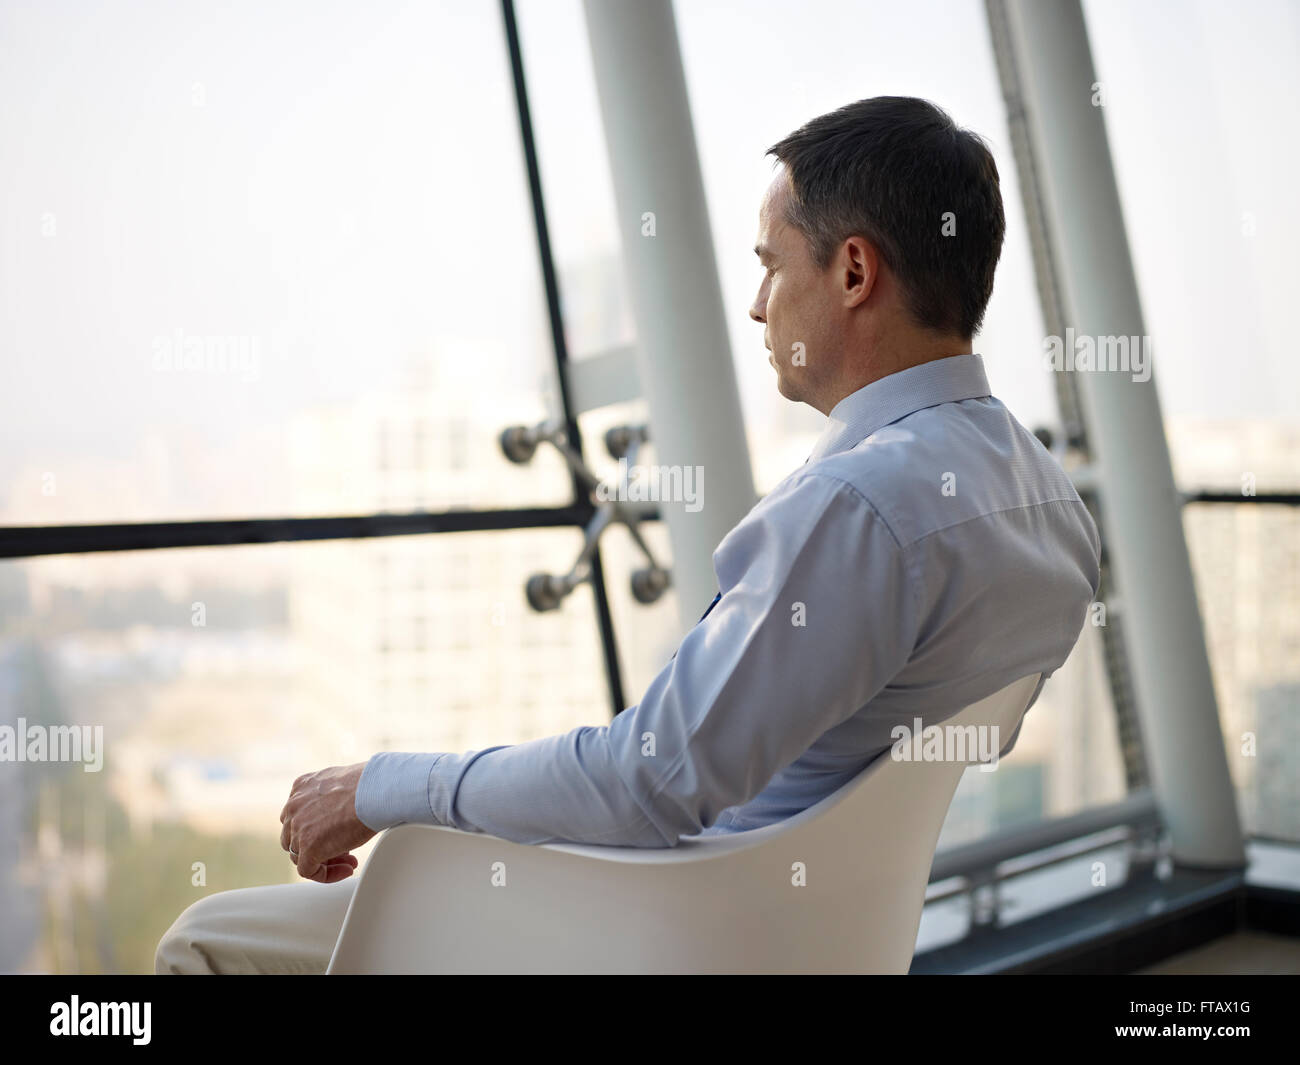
[613, 673]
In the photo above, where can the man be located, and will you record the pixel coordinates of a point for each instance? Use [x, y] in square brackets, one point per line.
[929, 553]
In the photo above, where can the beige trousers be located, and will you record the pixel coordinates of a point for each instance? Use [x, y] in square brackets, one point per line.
[285, 928]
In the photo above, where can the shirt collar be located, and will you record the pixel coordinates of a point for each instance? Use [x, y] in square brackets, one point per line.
[876, 405]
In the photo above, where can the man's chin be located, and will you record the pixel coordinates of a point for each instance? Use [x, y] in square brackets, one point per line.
[785, 387]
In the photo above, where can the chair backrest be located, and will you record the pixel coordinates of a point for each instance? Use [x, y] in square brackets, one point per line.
[876, 836]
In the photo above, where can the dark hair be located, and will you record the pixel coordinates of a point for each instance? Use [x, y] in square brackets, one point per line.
[890, 168]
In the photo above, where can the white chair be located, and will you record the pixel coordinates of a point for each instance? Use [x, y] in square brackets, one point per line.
[426, 901]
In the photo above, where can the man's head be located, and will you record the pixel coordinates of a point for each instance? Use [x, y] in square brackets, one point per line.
[879, 238]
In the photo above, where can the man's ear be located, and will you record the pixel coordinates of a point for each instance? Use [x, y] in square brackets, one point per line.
[858, 266]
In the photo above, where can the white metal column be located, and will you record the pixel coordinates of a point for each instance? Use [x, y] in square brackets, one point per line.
[1140, 505]
[683, 354]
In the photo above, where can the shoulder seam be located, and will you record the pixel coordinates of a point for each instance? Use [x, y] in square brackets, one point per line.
[992, 513]
[858, 492]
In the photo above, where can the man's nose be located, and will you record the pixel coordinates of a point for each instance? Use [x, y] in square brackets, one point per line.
[758, 311]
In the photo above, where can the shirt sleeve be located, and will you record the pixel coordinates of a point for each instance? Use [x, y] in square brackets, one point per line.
[817, 613]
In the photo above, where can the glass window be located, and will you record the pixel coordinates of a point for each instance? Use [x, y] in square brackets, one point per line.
[1194, 119]
[235, 279]
[574, 166]
[216, 677]
[1246, 558]
[1206, 180]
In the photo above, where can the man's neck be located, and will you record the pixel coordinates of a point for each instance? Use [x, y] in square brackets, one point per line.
[883, 363]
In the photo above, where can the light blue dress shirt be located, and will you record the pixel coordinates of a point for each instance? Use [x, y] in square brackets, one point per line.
[930, 552]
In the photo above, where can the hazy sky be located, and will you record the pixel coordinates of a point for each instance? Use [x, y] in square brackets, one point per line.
[341, 184]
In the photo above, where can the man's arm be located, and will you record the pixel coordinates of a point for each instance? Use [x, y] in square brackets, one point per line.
[817, 614]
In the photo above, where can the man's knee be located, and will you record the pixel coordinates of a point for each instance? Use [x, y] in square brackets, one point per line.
[284, 928]
[186, 947]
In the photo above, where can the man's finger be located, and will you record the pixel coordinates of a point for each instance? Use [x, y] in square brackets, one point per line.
[334, 873]
[308, 867]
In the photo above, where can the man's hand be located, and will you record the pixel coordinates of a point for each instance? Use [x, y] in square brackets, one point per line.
[321, 826]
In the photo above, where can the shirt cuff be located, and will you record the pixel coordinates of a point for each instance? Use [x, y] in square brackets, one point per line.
[394, 789]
